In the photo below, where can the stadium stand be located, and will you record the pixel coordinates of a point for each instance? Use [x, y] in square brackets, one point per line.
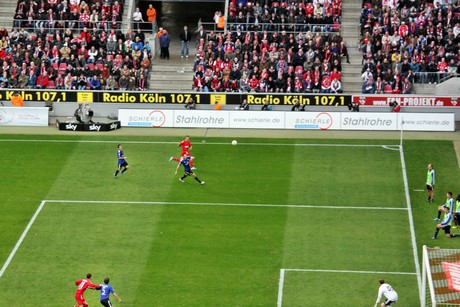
[407, 42]
[72, 45]
[287, 47]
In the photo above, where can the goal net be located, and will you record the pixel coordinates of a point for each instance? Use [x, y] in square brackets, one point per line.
[440, 277]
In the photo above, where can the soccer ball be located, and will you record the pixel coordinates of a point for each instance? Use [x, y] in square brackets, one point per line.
[234, 142]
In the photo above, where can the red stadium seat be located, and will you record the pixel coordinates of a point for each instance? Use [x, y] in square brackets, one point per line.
[62, 66]
[100, 66]
[55, 66]
[91, 66]
[336, 26]
[387, 89]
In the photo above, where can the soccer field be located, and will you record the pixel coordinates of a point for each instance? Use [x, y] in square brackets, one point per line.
[278, 222]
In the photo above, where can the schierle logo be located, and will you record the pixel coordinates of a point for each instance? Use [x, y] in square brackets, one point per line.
[94, 127]
[70, 127]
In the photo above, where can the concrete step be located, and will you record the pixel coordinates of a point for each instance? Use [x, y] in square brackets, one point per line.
[353, 67]
[176, 69]
[172, 77]
[170, 86]
[351, 5]
[356, 79]
[351, 89]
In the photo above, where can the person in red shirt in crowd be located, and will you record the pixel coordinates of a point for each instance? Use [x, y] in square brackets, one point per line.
[2, 53]
[42, 80]
[326, 84]
[82, 285]
[186, 147]
[403, 29]
[85, 35]
[216, 85]
[335, 74]
[253, 83]
[442, 69]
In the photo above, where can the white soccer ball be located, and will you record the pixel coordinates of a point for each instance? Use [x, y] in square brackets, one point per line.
[234, 142]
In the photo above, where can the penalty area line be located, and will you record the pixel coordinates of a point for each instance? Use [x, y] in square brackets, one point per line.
[349, 271]
[24, 233]
[164, 203]
[279, 302]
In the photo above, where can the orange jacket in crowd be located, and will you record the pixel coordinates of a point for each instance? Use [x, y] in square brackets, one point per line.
[152, 14]
[17, 101]
[221, 22]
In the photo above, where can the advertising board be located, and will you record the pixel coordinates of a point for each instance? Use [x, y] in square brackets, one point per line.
[257, 119]
[406, 101]
[145, 118]
[426, 121]
[23, 116]
[313, 120]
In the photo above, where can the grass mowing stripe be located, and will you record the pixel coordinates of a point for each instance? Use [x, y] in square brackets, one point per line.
[201, 143]
[411, 220]
[219, 204]
[18, 244]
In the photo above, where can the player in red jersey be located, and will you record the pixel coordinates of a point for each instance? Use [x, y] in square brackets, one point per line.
[82, 285]
[186, 147]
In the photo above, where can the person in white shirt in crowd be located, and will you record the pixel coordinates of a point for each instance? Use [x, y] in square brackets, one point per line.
[336, 86]
[137, 18]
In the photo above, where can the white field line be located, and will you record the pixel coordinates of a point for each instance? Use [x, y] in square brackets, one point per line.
[216, 204]
[280, 288]
[350, 271]
[18, 244]
[283, 274]
[197, 142]
[411, 221]
[391, 147]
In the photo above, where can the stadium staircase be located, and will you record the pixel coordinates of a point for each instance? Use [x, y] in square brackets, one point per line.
[175, 74]
[351, 73]
[7, 10]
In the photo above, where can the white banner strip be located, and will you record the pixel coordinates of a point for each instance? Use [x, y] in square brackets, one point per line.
[366, 121]
[23, 116]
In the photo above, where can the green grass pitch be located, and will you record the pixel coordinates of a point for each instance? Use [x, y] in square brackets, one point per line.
[296, 222]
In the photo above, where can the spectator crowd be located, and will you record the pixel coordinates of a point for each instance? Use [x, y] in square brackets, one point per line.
[272, 46]
[408, 41]
[73, 44]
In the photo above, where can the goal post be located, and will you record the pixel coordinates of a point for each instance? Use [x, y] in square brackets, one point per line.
[440, 287]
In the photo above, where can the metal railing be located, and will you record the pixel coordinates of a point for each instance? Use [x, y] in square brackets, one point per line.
[425, 77]
[275, 27]
[62, 25]
[35, 25]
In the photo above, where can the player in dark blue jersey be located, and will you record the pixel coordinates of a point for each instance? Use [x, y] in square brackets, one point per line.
[185, 162]
[122, 164]
[106, 289]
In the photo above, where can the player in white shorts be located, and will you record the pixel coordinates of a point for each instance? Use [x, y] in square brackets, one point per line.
[387, 291]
